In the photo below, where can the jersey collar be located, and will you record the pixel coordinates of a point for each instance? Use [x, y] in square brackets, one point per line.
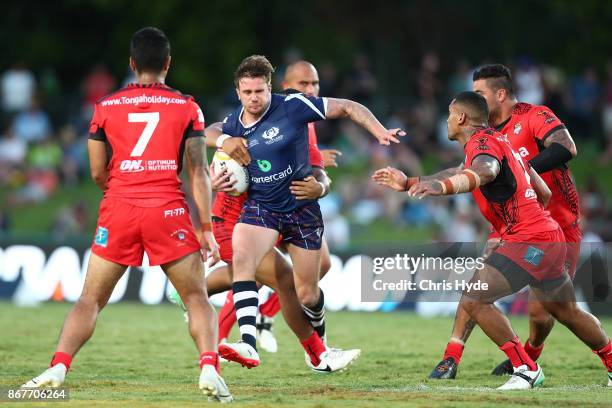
[501, 125]
[257, 121]
[153, 85]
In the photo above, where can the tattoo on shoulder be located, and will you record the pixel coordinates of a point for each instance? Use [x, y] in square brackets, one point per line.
[562, 137]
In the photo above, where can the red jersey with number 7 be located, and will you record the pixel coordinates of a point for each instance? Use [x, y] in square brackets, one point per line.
[509, 202]
[145, 128]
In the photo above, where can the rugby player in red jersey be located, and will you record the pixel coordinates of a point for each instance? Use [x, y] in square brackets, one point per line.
[532, 249]
[146, 127]
[540, 138]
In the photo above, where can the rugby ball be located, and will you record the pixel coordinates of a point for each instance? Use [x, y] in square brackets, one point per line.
[222, 162]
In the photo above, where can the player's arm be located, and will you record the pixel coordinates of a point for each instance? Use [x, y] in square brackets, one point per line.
[312, 187]
[559, 149]
[98, 162]
[197, 168]
[483, 170]
[540, 187]
[397, 180]
[344, 108]
[234, 147]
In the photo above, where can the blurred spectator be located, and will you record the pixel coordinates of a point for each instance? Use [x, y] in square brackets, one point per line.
[5, 222]
[12, 155]
[70, 221]
[528, 82]
[337, 228]
[461, 80]
[461, 228]
[18, 87]
[74, 156]
[361, 83]
[12, 149]
[585, 96]
[606, 114]
[98, 83]
[33, 124]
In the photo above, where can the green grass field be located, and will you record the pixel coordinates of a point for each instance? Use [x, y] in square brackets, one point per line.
[143, 356]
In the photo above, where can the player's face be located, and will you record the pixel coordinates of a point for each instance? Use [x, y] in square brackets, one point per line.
[481, 87]
[304, 79]
[254, 94]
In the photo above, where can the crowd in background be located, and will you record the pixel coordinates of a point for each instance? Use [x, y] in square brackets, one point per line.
[44, 134]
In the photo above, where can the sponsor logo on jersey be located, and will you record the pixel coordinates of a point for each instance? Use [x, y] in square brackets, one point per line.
[131, 166]
[517, 128]
[273, 177]
[101, 237]
[253, 142]
[530, 193]
[523, 151]
[272, 135]
[264, 165]
[174, 212]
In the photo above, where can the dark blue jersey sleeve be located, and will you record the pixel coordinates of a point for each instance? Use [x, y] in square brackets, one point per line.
[305, 109]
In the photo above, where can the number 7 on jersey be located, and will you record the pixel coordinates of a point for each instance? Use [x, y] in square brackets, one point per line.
[151, 119]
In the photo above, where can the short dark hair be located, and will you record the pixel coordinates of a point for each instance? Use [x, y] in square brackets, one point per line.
[475, 103]
[254, 66]
[149, 48]
[499, 77]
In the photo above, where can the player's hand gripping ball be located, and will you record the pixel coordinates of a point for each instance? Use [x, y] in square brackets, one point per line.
[222, 163]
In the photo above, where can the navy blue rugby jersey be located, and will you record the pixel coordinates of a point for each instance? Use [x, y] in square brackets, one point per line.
[278, 145]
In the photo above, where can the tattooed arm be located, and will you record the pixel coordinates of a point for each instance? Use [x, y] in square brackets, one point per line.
[559, 149]
[344, 108]
[441, 175]
[563, 137]
[199, 179]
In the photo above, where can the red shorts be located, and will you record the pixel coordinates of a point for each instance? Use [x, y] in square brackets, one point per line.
[531, 258]
[125, 231]
[573, 237]
[223, 230]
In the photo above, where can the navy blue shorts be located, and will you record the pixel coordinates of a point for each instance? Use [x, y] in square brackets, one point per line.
[302, 227]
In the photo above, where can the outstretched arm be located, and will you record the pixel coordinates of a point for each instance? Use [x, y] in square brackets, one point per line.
[397, 180]
[344, 108]
[197, 168]
[483, 170]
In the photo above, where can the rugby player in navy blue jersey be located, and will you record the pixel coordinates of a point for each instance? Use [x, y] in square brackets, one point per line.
[269, 134]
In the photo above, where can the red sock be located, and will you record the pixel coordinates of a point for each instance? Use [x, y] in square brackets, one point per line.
[605, 354]
[210, 358]
[314, 347]
[61, 357]
[517, 355]
[227, 316]
[533, 352]
[271, 306]
[454, 350]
